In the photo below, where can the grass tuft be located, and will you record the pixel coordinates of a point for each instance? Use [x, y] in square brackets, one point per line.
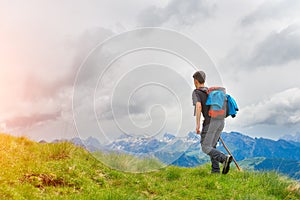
[128, 163]
[58, 151]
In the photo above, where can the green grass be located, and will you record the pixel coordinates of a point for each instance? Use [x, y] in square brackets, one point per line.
[128, 163]
[31, 170]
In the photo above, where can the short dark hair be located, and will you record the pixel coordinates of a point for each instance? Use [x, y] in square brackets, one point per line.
[200, 76]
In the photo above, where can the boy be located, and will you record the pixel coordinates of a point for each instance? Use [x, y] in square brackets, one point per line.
[211, 127]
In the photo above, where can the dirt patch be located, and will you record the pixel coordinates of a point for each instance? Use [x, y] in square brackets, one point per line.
[294, 188]
[43, 180]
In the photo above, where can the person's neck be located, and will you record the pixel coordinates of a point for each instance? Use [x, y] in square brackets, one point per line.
[200, 85]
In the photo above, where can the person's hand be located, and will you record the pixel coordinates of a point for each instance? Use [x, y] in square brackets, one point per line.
[198, 130]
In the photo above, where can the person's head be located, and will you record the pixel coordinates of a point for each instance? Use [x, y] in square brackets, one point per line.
[199, 78]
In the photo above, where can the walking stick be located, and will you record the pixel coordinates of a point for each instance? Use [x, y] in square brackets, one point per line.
[226, 148]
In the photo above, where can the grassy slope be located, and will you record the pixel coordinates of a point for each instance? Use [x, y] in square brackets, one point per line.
[62, 171]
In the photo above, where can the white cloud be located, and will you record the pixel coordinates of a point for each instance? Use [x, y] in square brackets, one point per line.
[38, 92]
[278, 48]
[282, 109]
[272, 10]
[181, 12]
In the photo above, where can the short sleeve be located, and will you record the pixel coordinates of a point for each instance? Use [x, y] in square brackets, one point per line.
[195, 97]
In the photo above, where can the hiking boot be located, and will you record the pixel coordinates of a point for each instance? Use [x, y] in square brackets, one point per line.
[226, 164]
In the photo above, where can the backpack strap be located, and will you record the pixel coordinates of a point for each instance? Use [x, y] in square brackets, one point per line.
[216, 88]
[203, 89]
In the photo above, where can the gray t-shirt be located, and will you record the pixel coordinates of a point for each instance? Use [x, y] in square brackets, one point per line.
[200, 95]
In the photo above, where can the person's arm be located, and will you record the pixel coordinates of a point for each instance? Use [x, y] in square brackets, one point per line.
[198, 116]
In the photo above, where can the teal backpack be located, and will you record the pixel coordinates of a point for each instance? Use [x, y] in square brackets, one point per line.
[221, 104]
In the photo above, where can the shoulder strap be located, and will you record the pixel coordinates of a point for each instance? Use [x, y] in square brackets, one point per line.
[216, 88]
[204, 90]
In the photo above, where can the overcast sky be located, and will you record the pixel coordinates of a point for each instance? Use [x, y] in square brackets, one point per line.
[254, 47]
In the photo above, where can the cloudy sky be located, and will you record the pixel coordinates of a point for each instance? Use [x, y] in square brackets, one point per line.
[53, 82]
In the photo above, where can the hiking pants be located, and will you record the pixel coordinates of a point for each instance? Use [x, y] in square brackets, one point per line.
[209, 137]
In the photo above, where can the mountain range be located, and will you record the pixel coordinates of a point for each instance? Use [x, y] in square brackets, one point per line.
[252, 153]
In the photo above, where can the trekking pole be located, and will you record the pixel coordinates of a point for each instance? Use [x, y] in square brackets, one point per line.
[226, 148]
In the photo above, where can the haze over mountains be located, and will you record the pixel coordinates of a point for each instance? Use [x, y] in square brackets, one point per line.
[293, 138]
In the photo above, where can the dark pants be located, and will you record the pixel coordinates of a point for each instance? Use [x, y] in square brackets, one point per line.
[209, 138]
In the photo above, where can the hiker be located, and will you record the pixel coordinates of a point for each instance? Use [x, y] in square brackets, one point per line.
[211, 127]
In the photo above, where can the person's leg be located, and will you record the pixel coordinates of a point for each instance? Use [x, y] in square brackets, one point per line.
[215, 167]
[211, 138]
[227, 161]
[214, 163]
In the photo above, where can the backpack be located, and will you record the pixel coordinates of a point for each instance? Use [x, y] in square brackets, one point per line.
[221, 105]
